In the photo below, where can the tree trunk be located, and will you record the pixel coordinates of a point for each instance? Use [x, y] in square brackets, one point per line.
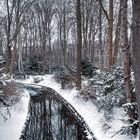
[64, 39]
[110, 31]
[127, 66]
[100, 39]
[15, 37]
[85, 32]
[136, 49]
[79, 43]
[117, 38]
[8, 49]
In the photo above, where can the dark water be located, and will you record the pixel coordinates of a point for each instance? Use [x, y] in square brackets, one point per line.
[51, 118]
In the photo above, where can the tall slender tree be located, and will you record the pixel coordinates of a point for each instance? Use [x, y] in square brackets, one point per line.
[117, 38]
[110, 36]
[100, 37]
[10, 11]
[127, 66]
[109, 17]
[136, 49]
[79, 42]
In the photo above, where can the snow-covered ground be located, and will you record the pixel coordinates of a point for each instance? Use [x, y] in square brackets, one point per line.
[10, 129]
[12, 119]
[87, 110]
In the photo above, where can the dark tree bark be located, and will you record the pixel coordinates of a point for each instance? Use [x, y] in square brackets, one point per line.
[100, 38]
[127, 66]
[110, 31]
[79, 43]
[117, 38]
[8, 35]
[136, 49]
[15, 38]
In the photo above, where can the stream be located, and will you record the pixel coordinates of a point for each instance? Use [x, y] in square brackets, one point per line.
[50, 117]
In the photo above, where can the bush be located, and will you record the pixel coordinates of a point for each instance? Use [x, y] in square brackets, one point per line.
[88, 70]
[132, 120]
[37, 79]
[106, 90]
[62, 75]
[20, 75]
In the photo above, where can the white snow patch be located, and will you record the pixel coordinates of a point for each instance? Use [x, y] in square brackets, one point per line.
[11, 128]
[98, 71]
[29, 80]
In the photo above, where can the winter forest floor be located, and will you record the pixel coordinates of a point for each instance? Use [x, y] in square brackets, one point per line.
[87, 109]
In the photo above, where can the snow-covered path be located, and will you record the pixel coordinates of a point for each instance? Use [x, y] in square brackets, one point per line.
[86, 109]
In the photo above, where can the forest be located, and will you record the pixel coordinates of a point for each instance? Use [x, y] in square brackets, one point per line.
[69, 69]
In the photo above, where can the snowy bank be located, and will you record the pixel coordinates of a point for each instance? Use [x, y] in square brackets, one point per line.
[12, 118]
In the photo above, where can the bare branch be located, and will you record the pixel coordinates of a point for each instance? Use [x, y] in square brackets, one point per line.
[102, 7]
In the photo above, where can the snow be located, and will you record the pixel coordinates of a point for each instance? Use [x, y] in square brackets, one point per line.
[12, 126]
[29, 80]
[98, 71]
[128, 104]
[87, 110]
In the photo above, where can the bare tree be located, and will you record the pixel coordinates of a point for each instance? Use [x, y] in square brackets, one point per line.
[117, 37]
[126, 46]
[79, 43]
[100, 37]
[109, 17]
[136, 50]
[110, 32]
[10, 10]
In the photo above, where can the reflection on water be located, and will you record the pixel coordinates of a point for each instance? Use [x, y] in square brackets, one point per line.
[50, 119]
